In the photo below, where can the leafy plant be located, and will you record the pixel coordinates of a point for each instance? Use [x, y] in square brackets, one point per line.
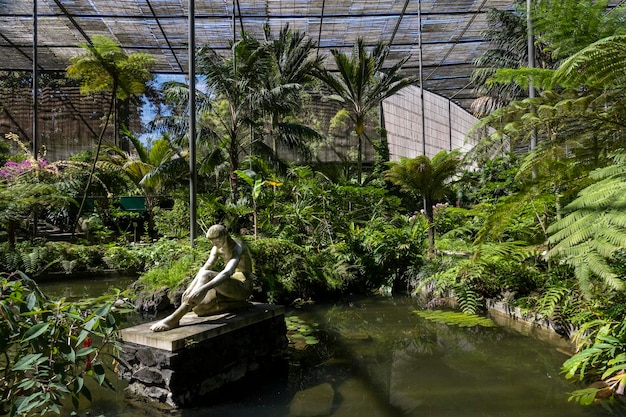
[428, 178]
[49, 348]
[600, 359]
[300, 332]
[595, 229]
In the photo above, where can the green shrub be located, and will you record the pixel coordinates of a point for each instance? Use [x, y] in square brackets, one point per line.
[48, 348]
[172, 223]
[123, 258]
[283, 270]
[172, 274]
[387, 252]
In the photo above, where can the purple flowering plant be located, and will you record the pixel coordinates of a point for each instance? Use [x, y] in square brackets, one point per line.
[12, 170]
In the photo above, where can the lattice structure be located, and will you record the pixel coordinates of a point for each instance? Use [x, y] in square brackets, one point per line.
[451, 35]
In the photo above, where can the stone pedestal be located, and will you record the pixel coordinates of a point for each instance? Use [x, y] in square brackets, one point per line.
[178, 367]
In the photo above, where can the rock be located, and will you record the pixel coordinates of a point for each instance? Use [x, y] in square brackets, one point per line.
[357, 399]
[312, 402]
[149, 376]
[146, 357]
[153, 301]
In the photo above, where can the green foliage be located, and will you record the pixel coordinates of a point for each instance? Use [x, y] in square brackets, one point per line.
[173, 223]
[595, 66]
[491, 271]
[286, 271]
[169, 263]
[521, 217]
[600, 358]
[104, 67]
[567, 26]
[172, 274]
[44, 257]
[386, 252]
[430, 179]
[494, 179]
[452, 318]
[594, 229]
[49, 348]
[123, 258]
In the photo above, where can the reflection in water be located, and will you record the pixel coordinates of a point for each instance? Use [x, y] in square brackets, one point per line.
[383, 360]
[77, 288]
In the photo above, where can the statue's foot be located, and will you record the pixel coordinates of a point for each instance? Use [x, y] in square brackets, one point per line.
[164, 325]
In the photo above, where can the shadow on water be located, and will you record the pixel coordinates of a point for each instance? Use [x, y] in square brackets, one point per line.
[383, 360]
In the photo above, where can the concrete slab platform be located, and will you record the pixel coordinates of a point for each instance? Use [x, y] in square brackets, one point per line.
[194, 329]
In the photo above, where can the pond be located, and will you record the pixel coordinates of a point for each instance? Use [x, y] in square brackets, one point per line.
[382, 359]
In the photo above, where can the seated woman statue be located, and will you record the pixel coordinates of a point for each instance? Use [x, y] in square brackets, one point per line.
[213, 292]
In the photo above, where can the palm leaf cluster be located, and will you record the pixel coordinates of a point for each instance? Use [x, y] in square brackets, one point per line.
[508, 40]
[361, 83]
[104, 67]
[425, 177]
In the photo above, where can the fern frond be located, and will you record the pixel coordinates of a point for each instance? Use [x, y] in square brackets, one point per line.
[601, 64]
[567, 222]
[583, 275]
[551, 299]
[579, 231]
[616, 218]
[469, 300]
[600, 194]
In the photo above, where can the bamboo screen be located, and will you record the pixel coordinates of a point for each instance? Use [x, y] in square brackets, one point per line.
[446, 124]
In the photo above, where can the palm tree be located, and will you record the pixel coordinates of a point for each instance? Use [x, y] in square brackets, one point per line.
[362, 82]
[151, 168]
[292, 69]
[235, 82]
[104, 67]
[430, 179]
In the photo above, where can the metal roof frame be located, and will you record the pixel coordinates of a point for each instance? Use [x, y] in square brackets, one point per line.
[451, 31]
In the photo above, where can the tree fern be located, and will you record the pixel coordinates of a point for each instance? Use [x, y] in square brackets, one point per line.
[595, 229]
[600, 65]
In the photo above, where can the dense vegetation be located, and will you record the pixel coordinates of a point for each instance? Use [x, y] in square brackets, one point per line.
[536, 220]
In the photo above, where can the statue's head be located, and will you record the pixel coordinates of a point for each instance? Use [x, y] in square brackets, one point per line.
[216, 231]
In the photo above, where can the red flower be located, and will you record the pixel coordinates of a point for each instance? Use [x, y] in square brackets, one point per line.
[87, 342]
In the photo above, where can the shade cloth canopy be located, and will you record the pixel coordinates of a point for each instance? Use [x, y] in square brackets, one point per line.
[451, 38]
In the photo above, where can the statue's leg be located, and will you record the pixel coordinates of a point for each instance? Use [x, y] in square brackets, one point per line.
[230, 295]
[173, 320]
[238, 287]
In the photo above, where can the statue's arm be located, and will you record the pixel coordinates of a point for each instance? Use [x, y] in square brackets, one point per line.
[228, 270]
[212, 258]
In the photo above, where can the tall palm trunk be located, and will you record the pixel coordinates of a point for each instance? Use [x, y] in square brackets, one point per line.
[95, 159]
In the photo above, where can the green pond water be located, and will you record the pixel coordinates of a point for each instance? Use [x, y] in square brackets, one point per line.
[382, 360]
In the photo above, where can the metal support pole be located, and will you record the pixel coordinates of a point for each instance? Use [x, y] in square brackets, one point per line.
[193, 175]
[421, 76]
[531, 60]
[35, 83]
